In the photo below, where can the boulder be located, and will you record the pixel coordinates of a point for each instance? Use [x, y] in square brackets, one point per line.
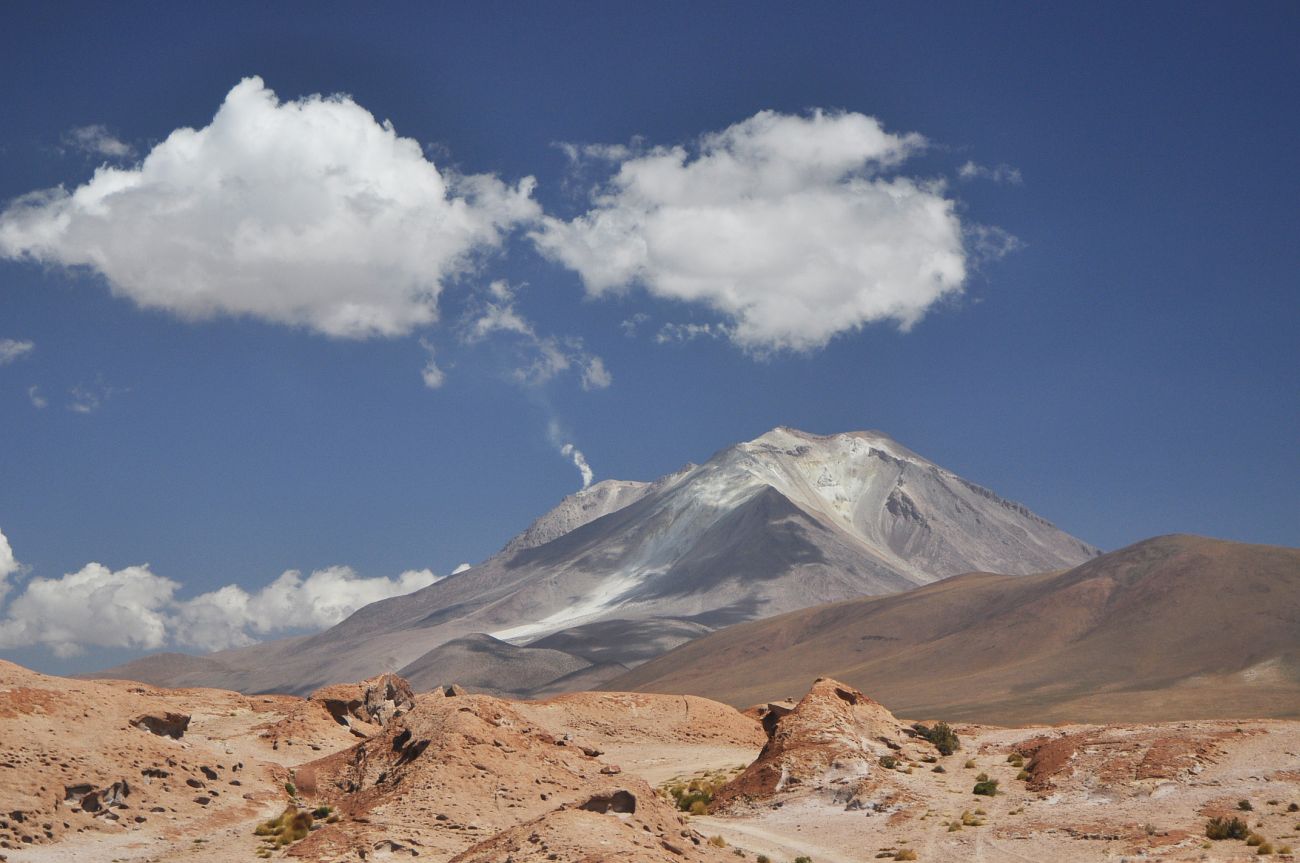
[163, 724]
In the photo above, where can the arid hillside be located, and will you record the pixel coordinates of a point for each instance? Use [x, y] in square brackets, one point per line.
[117, 772]
[1176, 627]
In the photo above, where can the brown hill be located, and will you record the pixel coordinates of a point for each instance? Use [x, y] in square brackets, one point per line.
[1175, 627]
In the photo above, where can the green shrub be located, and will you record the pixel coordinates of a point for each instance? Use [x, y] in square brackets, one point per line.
[1226, 828]
[802, 858]
[291, 788]
[888, 762]
[1023, 776]
[941, 736]
[987, 788]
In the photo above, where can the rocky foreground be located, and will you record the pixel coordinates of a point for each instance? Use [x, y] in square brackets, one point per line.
[118, 771]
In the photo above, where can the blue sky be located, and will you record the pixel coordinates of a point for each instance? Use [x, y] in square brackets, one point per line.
[1117, 348]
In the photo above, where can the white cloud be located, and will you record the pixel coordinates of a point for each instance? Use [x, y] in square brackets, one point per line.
[88, 398]
[689, 332]
[12, 349]
[92, 607]
[232, 617]
[794, 227]
[34, 395]
[540, 358]
[136, 608]
[98, 141]
[595, 376]
[8, 565]
[458, 570]
[432, 374]
[308, 213]
[1002, 173]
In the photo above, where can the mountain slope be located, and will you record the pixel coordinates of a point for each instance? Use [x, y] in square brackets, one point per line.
[779, 523]
[1175, 627]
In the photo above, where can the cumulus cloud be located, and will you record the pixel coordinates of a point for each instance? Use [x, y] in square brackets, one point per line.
[308, 213]
[95, 606]
[796, 228]
[233, 617]
[134, 607]
[97, 140]
[12, 349]
[1002, 173]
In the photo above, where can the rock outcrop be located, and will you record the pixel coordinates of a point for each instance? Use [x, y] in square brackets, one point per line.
[373, 702]
[834, 736]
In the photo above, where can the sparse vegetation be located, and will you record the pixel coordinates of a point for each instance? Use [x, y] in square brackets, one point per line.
[941, 736]
[986, 788]
[1294, 807]
[1226, 828]
[291, 789]
[1264, 849]
[717, 842]
[762, 858]
[888, 762]
[695, 794]
[938, 768]
[970, 765]
[1024, 776]
[905, 854]
[291, 825]
[803, 858]
[1244, 805]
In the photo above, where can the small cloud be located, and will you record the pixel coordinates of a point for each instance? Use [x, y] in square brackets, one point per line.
[630, 325]
[88, 399]
[38, 401]
[458, 570]
[541, 358]
[988, 243]
[689, 332]
[12, 349]
[96, 140]
[1001, 173]
[595, 376]
[431, 374]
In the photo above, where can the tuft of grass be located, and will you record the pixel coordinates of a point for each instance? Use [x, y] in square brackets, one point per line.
[904, 854]
[987, 788]
[970, 764]
[1254, 840]
[1024, 776]
[291, 788]
[1244, 805]
[762, 858]
[888, 762]
[291, 825]
[717, 842]
[1226, 828]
